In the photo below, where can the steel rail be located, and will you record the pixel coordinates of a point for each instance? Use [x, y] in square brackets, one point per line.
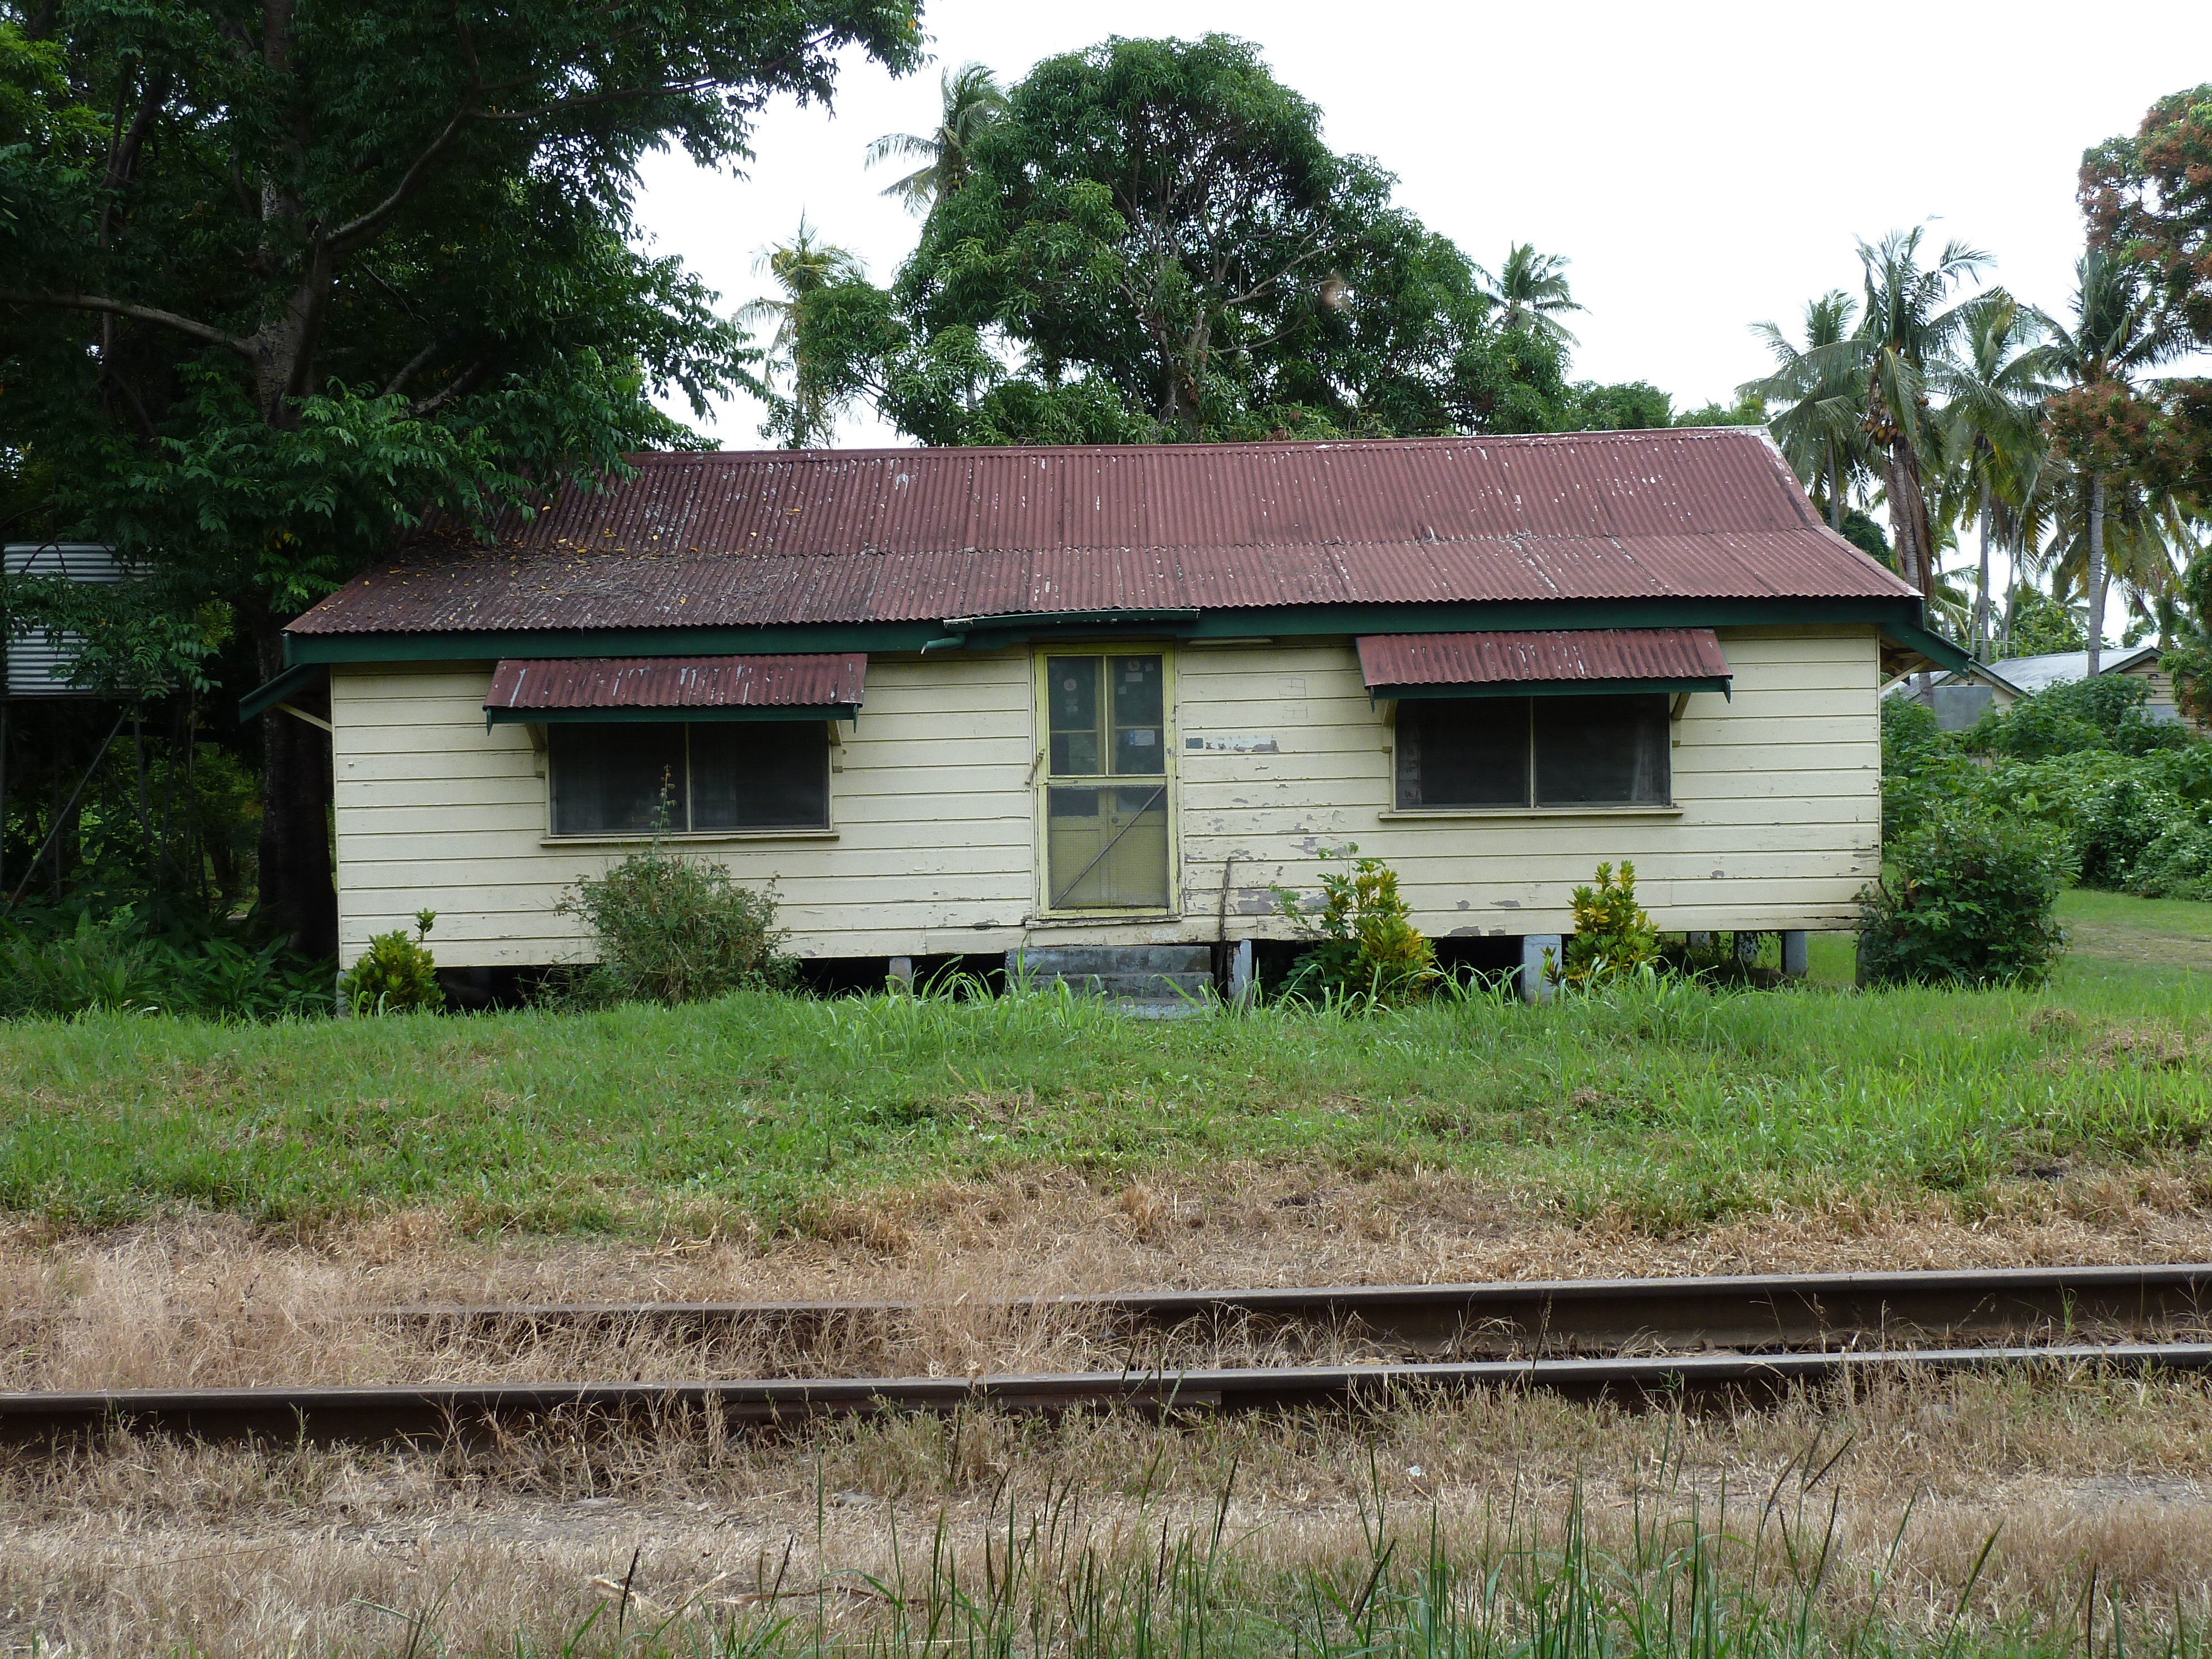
[419, 1412]
[1737, 1311]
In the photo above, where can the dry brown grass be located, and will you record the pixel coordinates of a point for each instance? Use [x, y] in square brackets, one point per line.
[140, 1546]
[209, 1302]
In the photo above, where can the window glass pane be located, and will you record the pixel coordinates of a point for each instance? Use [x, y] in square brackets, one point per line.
[1140, 728]
[1463, 752]
[1107, 847]
[1602, 751]
[1072, 696]
[760, 775]
[607, 779]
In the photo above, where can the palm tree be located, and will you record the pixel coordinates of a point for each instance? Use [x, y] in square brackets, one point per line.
[1905, 333]
[973, 100]
[2116, 333]
[1820, 429]
[1993, 384]
[1529, 289]
[802, 267]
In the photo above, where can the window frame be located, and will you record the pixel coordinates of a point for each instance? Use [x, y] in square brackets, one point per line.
[1670, 807]
[543, 741]
[1043, 777]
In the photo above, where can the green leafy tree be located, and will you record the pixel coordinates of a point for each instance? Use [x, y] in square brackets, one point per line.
[805, 268]
[2148, 198]
[281, 279]
[1531, 291]
[1153, 242]
[2042, 625]
[972, 99]
[1634, 405]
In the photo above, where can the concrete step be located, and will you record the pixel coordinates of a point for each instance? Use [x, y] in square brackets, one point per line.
[1062, 961]
[1133, 988]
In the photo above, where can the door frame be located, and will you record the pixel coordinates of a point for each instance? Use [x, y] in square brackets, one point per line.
[1041, 774]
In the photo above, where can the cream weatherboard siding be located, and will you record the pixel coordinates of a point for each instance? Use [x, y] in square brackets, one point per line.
[933, 809]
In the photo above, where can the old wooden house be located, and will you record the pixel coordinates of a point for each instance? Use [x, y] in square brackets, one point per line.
[960, 701]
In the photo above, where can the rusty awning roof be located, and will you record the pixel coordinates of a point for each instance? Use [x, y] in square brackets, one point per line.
[530, 690]
[1540, 661]
[890, 543]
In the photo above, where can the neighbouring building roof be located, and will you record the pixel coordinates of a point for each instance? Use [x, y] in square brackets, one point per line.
[702, 684]
[2028, 675]
[1564, 659]
[784, 539]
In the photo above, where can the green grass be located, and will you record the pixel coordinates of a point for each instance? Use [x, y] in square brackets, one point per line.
[1671, 1104]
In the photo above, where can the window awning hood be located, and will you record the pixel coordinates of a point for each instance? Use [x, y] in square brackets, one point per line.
[1542, 662]
[532, 689]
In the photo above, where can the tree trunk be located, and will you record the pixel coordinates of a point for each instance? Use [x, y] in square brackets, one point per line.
[1908, 518]
[1981, 592]
[296, 893]
[1835, 496]
[2096, 572]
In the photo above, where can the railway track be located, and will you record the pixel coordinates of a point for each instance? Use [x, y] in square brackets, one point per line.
[1744, 1337]
[1553, 1316]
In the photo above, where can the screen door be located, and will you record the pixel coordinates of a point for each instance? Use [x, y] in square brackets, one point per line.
[1106, 785]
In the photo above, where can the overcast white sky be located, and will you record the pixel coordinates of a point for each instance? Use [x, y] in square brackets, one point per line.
[1704, 165]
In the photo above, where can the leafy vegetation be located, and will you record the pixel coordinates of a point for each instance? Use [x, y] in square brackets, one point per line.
[670, 929]
[2130, 797]
[1614, 938]
[1967, 898]
[63, 963]
[1367, 954]
[396, 975]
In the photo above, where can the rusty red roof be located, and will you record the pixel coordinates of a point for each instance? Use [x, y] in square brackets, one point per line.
[800, 681]
[1541, 656]
[785, 538]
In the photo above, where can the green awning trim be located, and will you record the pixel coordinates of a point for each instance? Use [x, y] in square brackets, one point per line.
[263, 698]
[790, 716]
[1545, 688]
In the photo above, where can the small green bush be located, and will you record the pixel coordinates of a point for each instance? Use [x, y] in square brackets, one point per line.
[1613, 938]
[1367, 952]
[1968, 899]
[396, 976]
[671, 930]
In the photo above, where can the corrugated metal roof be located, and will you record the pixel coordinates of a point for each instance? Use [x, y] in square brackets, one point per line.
[1541, 655]
[37, 667]
[808, 682]
[830, 536]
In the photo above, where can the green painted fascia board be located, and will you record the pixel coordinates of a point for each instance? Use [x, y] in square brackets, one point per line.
[458, 645]
[1545, 688]
[263, 698]
[1929, 644]
[843, 711]
[1899, 618]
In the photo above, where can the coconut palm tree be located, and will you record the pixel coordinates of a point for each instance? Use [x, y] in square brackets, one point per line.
[1529, 290]
[2116, 333]
[803, 267]
[1994, 383]
[1820, 428]
[1906, 331]
[973, 100]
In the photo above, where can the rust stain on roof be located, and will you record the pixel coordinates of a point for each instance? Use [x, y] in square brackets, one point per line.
[913, 535]
[1541, 655]
[797, 682]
